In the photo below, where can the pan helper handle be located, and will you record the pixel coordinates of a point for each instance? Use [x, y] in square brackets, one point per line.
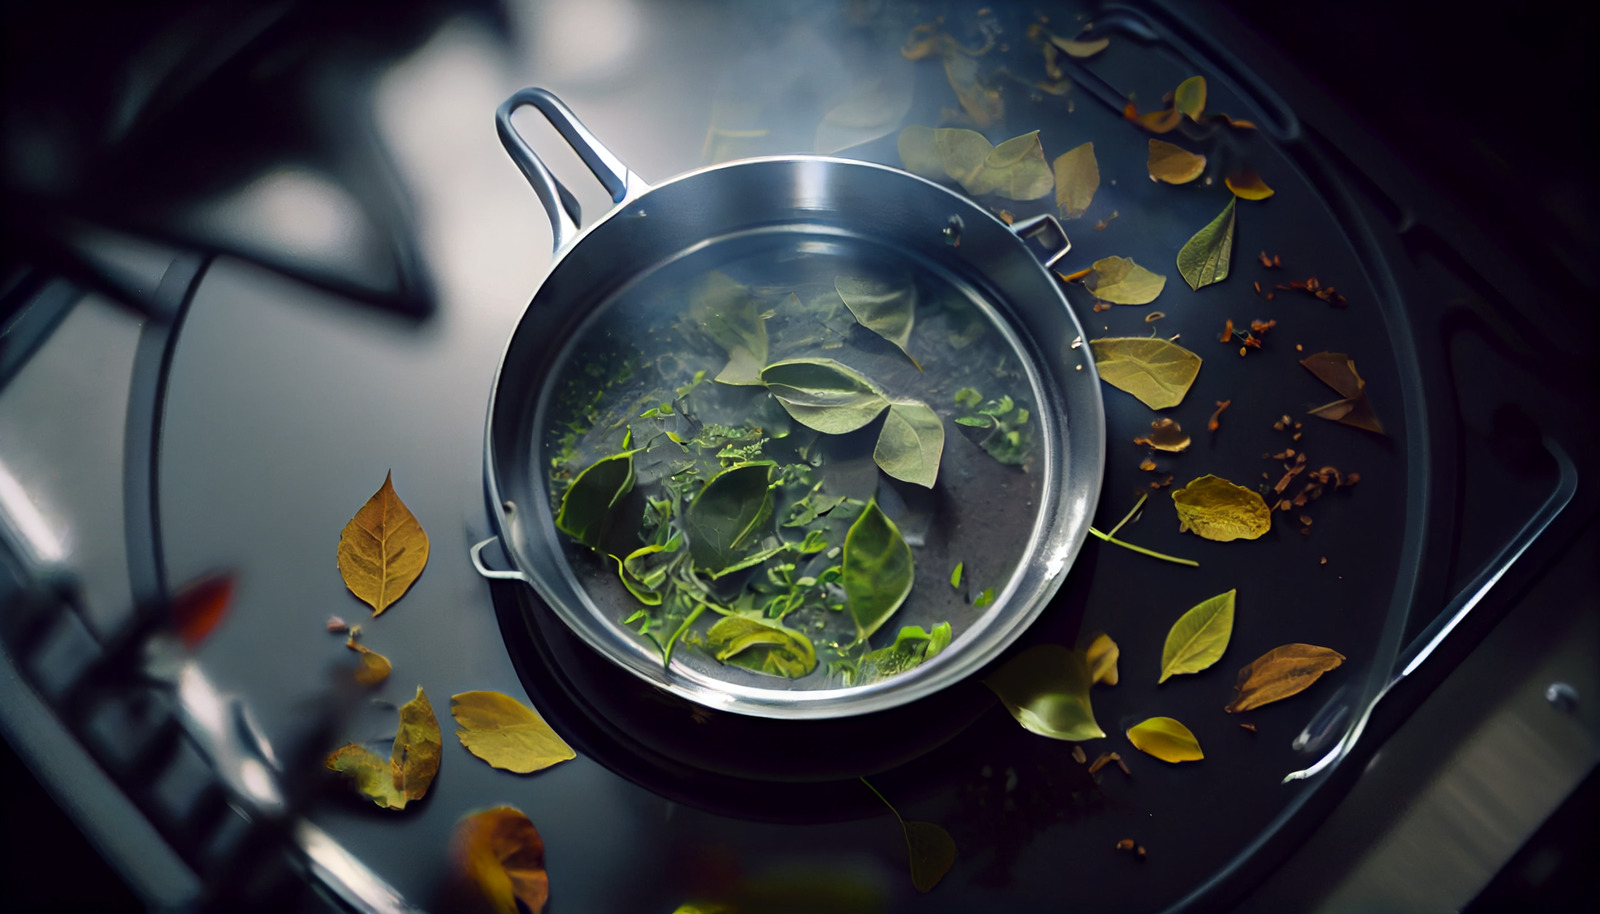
[565, 216]
[1045, 232]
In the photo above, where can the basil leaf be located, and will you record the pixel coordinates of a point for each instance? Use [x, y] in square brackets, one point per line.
[878, 569]
[910, 444]
[724, 520]
[1199, 637]
[886, 308]
[748, 642]
[1203, 259]
[585, 513]
[823, 394]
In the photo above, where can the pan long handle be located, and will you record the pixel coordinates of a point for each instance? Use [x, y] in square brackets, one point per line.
[565, 215]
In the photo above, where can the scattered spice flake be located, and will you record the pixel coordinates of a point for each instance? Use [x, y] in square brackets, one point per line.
[1104, 759]
[1311, 285]
[1074, 277]
[1258, 287]
[1216, 417]
[1126, 844]
[1324, 561]
[1154, 316]
[1272, 263]
[1140, 849]
[1101, 306]
[1147, 465]
[1165, 435]
[1007, 217]
[1250, 727]
[1162, 484]
[1227, 331]
[1078, 755]
[1101, 225]
[337, 626]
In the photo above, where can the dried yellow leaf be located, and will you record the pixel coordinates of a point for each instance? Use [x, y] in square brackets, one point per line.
[1248, 185]
[382, 550]
[413, 760]
[1174, 164]
[1077, 177]
[1216, 509]
[1102, 659]
[1166, 739]
[496, 861]
[1156, 371]
[1121, 281]
[506, 733]
[374, 667]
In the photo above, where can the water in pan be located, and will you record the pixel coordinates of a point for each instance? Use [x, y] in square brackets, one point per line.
[717, 431]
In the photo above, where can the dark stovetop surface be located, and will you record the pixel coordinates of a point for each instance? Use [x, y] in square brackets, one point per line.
[283, 407]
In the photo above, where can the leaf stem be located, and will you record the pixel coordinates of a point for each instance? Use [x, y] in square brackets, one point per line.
[1140, 549]
[1131, 512]
[885, 800]
[666, 650]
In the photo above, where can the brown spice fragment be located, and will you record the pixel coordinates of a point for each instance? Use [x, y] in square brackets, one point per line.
[1106, 758]
[1126, 844]
[1216, 417]
[1250, 727]
[1147, 465]
[1073, 277]
[1140, 851]
[1101, 306]
[1078, 755]
[337, 626]
[1227, 331]
[1324, 561]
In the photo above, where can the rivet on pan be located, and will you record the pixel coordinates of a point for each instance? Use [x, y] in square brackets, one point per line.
[1561, 696]
[508, 506]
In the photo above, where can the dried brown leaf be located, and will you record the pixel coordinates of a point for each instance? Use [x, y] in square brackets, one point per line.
[1281, 672]
[1077, 177]
[1174, 164]
[382, 550]
[496, 861]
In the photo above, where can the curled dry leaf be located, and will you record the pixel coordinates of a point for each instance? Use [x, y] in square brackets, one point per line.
[1077, 177]
[1190, 97]
[506, 733]
[1166, 435]
[1121, 281]
[1156, 371]
[1174, 164]
[1101, 657]
[1046, 688]
[1080, 49]
[497, 861]
[1203, 259]
[382, 550]
[374, 667]
[1338, 371]
[1248, 185]
[413, 760]
[198, 606]
[1199, 637]
[1164, 121]
[1215, 509]
[1166, 739]
[1281, 672]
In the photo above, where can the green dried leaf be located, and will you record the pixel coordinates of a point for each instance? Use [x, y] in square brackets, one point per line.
[1046, 688]
[586, 506]
[726, 519]
[823, 394]
[1166, 739]
[912, 647]
[1216, 509]
[886, 308]
[1174, 164]
[1281, 672]
[1123, 282]
[919, 152]
[1156, 371]
[506, 733]
[748, 641]
[1190, 97]
[910, 444]
[932, 851]
[413, 759]
[1077, 178]
[1015, 169]
[1203, 259]
[1199, 637]
[878, 569]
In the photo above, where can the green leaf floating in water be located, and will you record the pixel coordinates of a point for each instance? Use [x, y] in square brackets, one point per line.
[726, 312]
[912, 647]
[1203, 259]
[1166, 739]
[877, 569]
[886, 308]
[1216, 509]
[645, 569]
[585, 513]
[1046, 688]
[825, 395]
[761, 645]
[726, 518]
[1123, 282]
[1199, 637]
[1156, 371]
[910, 444]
